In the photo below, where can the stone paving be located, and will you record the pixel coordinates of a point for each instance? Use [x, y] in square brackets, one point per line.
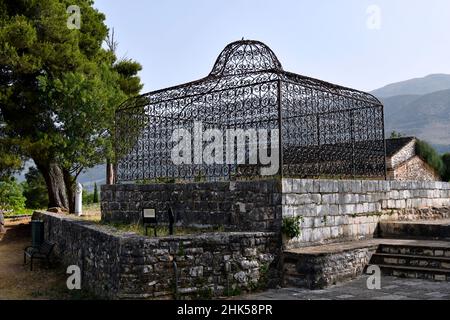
[391, 289]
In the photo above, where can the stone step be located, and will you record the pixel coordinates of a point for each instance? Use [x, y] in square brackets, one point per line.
[441, 263]
[431, 230]
[415, 272]
[415, 250]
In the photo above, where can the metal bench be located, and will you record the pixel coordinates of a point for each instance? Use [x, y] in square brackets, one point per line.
[42, 252]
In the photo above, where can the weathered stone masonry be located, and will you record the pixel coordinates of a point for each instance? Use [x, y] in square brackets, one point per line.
[123, 265]
[236, 206]
[414, 169]
[319, 270]
[335, 211]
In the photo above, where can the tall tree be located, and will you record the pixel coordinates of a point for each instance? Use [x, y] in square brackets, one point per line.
[95, 196]
[58, 89]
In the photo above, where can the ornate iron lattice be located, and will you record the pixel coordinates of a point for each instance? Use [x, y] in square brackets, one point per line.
[325, 130]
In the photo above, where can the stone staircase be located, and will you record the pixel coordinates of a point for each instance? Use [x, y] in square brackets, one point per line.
[414, 259]
[408, 249]
[419, 255]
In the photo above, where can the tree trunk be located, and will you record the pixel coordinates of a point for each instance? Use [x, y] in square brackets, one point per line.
[56, 186]
[110, 174]
[70, 187]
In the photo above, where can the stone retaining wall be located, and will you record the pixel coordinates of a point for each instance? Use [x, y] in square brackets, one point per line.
[126, 265]
[235, 206]
[340, 210]
[318, 271]
[333, 210]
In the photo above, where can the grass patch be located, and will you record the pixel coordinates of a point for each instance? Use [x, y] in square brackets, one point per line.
[91, 218]
[161, 231]
[22, 212]
[92, 209]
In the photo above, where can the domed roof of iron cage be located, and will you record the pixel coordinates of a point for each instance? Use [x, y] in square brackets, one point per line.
[246, 87]
[242, 63]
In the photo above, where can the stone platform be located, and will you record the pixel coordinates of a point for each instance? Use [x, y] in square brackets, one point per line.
[126, 265]
[322, 266]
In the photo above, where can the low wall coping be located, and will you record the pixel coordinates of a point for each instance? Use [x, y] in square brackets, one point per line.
[111, 231]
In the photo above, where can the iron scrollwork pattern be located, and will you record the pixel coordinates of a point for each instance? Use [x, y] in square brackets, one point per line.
[325, 130]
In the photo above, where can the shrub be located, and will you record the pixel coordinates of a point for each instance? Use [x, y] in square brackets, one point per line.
[11, 197]
[88, 198]
[427, 153]
[35, 190]
[95, 196]
[291, 226]
[395, 135]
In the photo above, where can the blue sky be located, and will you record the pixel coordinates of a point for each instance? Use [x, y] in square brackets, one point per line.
[178, 41]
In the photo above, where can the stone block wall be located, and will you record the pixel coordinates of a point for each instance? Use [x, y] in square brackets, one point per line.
[333, 210]
[340, 210]
[235, 206]
[414, 169]
[119, 265]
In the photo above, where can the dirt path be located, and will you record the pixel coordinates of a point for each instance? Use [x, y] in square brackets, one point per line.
[16, 280]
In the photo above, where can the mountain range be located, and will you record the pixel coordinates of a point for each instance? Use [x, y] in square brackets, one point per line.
[419, 107]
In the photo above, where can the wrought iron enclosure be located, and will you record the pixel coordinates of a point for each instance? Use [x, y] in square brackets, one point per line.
[325, 130]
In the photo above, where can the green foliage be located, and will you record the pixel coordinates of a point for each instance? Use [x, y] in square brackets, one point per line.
[446, 162]
[11, 197]
[88, 198]
[427, 153]
[59, 88]
[95, 195]
[395, 135]
[10, 160]
[20, 212]
[129, 83]
[292, 226]
[261, 284]
[35, 190]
